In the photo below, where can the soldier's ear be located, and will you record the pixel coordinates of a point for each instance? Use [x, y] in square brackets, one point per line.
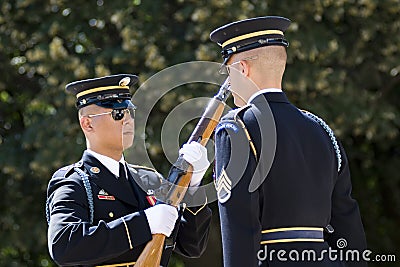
[86, 124]
[245, 68]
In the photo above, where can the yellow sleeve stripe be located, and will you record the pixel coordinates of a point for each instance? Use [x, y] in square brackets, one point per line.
[250, 35]
[292, 240]
[292, 229]
[104, 88]
[125, 264]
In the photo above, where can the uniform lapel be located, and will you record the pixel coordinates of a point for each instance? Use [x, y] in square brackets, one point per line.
[139, 192]
[104, 179]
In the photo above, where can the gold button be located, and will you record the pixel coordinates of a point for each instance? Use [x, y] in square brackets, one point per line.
[111, 214]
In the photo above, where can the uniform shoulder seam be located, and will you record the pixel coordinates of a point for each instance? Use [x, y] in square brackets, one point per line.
[63, 171]
[241, 109]
[142, 167]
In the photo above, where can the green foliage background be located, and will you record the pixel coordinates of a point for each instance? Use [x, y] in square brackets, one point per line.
[344, 64]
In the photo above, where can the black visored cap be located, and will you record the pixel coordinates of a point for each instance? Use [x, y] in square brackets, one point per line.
[116, 104]
[107, 91]
[249, 34]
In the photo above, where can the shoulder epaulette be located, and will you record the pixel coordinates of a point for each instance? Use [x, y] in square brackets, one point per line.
[64, 171]
[241, 109]
[141, 167]
[148, 178]
[330, 134]
[233, 115]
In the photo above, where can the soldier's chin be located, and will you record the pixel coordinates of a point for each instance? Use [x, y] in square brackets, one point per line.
[127, 141]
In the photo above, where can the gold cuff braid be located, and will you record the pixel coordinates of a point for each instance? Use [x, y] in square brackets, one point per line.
[126, 264]
[197, 211]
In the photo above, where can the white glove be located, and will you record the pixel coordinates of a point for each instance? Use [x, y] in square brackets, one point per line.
[196, 155]
[161, 219]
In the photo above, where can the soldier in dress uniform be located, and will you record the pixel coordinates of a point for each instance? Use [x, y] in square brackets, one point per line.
[282, 177]
[98, 209]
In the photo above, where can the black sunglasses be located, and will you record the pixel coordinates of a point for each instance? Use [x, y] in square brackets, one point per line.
[117, 114]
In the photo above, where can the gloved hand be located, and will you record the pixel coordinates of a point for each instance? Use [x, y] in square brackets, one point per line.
[196, 155]
[161, 219]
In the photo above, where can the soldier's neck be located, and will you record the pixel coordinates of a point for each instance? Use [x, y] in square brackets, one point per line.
[111, 153]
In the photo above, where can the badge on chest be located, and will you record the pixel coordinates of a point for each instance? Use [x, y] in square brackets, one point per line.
[150, 197]
[103, 195]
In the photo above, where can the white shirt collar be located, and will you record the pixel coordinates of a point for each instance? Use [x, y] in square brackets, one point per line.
[111, 164]
[268, 90]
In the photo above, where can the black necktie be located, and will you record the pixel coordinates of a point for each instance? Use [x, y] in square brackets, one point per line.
[129, 189]
[122, 173]
[123, 180]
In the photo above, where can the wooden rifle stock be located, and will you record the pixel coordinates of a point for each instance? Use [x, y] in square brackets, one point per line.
[181, 172]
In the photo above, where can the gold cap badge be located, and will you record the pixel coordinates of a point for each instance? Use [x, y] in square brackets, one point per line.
[124, 81]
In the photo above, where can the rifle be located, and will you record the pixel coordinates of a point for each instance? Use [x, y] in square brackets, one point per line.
[181, 172]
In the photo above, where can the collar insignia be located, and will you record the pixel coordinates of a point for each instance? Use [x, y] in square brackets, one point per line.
[94, 170]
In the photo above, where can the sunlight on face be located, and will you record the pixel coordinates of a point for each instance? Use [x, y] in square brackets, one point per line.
[242, 87]
[128, 132]
[107, 134]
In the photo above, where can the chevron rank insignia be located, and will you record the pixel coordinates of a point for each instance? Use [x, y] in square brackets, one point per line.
[223, 185]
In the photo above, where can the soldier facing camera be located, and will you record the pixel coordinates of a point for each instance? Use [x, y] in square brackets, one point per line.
[98, 211]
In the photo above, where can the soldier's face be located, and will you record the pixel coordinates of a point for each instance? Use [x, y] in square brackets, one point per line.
[109, 134]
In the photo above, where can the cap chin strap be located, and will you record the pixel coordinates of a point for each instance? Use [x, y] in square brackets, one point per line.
[251, 35]
[96, 99]
[227, 53]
